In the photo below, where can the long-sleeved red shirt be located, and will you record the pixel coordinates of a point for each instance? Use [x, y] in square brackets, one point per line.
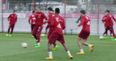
[12, 18]
[40, 16]
[85, 23]
[108, 20]
[32, 19]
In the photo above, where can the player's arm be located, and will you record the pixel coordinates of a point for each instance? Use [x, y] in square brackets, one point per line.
[29, 19]
[78, 19]
[9, 17]
[16, 17]
[103, 19]
[113, 18]
[81, 23]
[45, 18]
[47, 27]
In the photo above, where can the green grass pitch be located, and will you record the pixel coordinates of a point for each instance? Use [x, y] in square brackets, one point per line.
[11, 50]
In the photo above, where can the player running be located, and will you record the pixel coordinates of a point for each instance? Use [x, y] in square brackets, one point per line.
[40, 16]
[32, 21]
[12, 19]
[85, 32]
[57, 34]
[108, 23]
[49, 27]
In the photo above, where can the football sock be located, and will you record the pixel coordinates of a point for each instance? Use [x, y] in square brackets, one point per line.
[50, 54]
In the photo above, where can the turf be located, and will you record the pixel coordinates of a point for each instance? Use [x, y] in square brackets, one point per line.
[11, 50]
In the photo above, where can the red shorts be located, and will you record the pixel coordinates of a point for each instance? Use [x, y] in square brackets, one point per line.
[55, 36]
[84, 34]
[50, 32]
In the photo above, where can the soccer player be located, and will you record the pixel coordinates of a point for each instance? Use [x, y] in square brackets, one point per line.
[57, 34]
[40, 16]
[12, 19]
[108, 23]
[32, 21]
[49, 27]
[85, 32]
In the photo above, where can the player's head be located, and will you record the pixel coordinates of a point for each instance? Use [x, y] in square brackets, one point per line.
[50, 9]
[107, 11]
[57, 10]
[83, 12]
[33, 11]
[14, 11]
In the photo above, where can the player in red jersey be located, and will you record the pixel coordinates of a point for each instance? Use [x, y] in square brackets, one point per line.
[12, 19]
[57, 35]
[108, 23]
[32, 21]
[40, 16]
[49, 27]
[85, 32]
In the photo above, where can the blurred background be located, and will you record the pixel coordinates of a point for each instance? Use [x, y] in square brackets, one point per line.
[69, 10]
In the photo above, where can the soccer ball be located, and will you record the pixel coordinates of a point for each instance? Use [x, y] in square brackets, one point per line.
[24, 45]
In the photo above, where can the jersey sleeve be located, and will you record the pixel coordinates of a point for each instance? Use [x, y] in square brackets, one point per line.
[113, 18]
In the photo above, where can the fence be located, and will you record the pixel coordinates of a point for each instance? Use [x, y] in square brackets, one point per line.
[69, 10]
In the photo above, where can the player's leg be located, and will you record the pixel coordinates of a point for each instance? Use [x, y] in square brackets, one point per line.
[51, 40]
[12, 28]
[8, 30]
[38, 35]
[49, 33]
[106, 31]
[85, 43]
[34, 32]
[80, 45]
[32, 29]
[62, 41]
[112, 31]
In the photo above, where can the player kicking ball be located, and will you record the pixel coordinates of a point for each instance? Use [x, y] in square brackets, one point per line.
[57, 35]
[12, 19]
[40, 17]
[85, 32]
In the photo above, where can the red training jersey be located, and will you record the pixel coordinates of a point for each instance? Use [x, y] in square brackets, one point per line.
[58, 23]
[40, 16]
[108, 20]
[50, 18]
[12, 18]
[32, 19]
[85, 22]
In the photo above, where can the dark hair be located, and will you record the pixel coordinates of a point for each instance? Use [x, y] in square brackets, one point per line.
[14, 10]
[107, 11]
[50, 9]
[33, 11]
[57, 10]
[83, 11]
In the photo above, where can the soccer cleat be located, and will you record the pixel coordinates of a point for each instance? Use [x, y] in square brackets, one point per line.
[91, 47]
[36, 45]
[70, 57]
[49, 58]
[80, 53]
